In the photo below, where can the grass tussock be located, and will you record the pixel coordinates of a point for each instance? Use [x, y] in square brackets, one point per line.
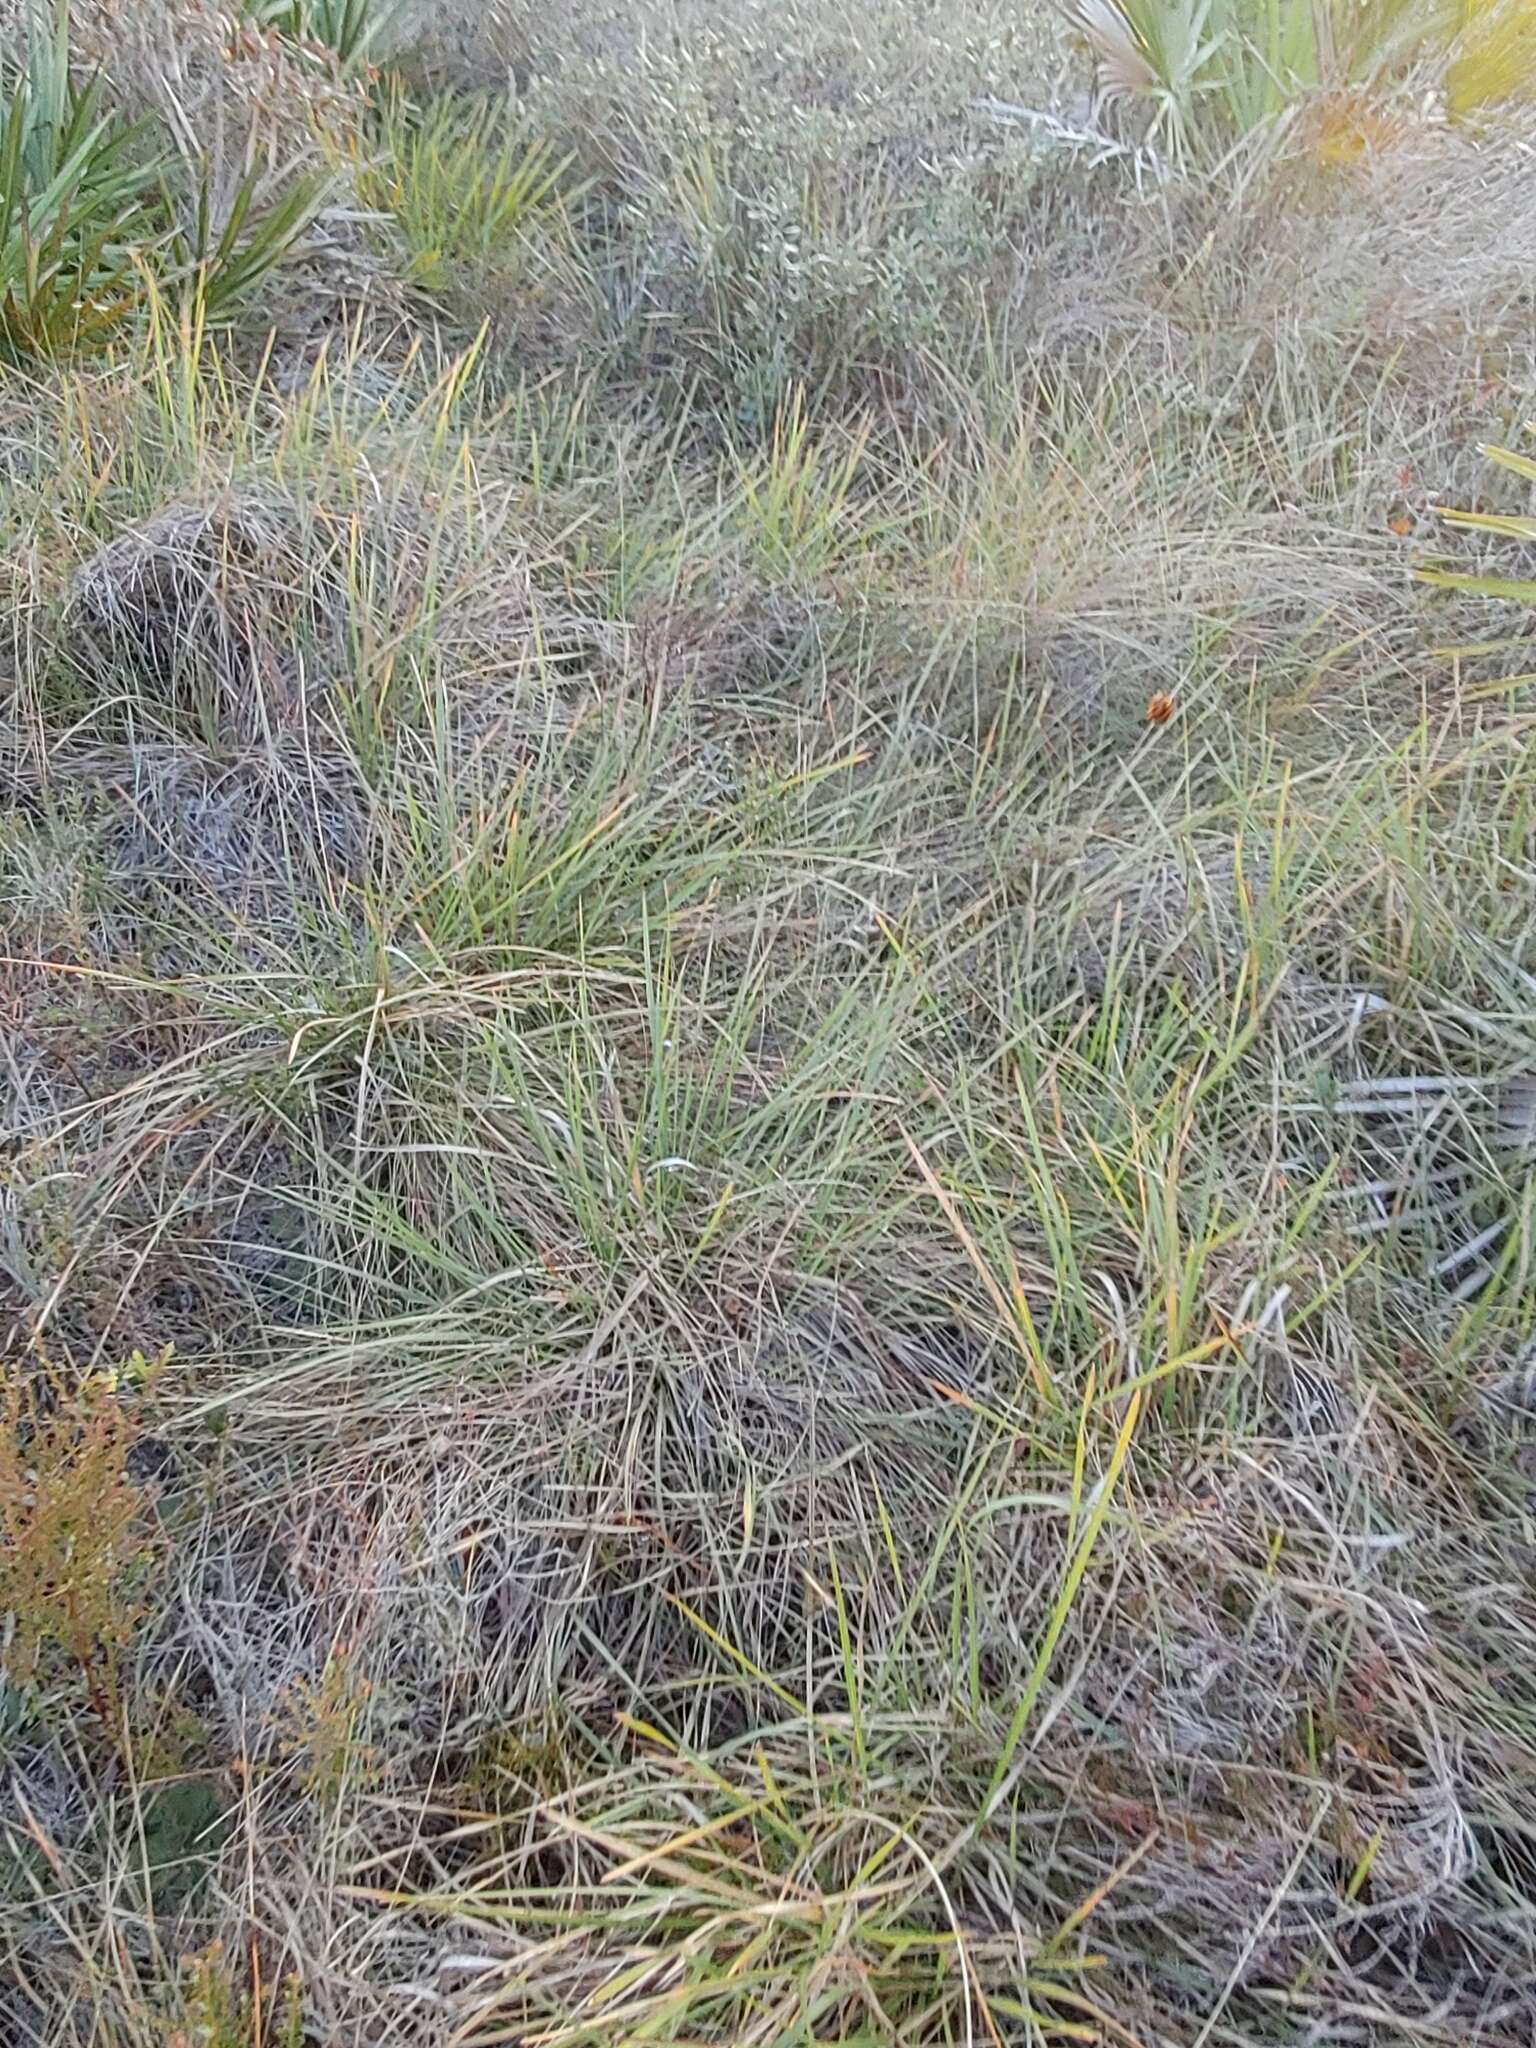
[766, 1256]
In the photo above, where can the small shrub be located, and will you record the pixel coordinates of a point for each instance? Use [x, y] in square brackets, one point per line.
[217, 2012]
[76, 1543]
[834, 235]
[321, 1722]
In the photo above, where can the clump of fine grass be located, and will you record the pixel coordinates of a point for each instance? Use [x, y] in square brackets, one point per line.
[477, 201]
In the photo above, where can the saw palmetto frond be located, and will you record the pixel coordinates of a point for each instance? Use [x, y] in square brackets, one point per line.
[1125, 63]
